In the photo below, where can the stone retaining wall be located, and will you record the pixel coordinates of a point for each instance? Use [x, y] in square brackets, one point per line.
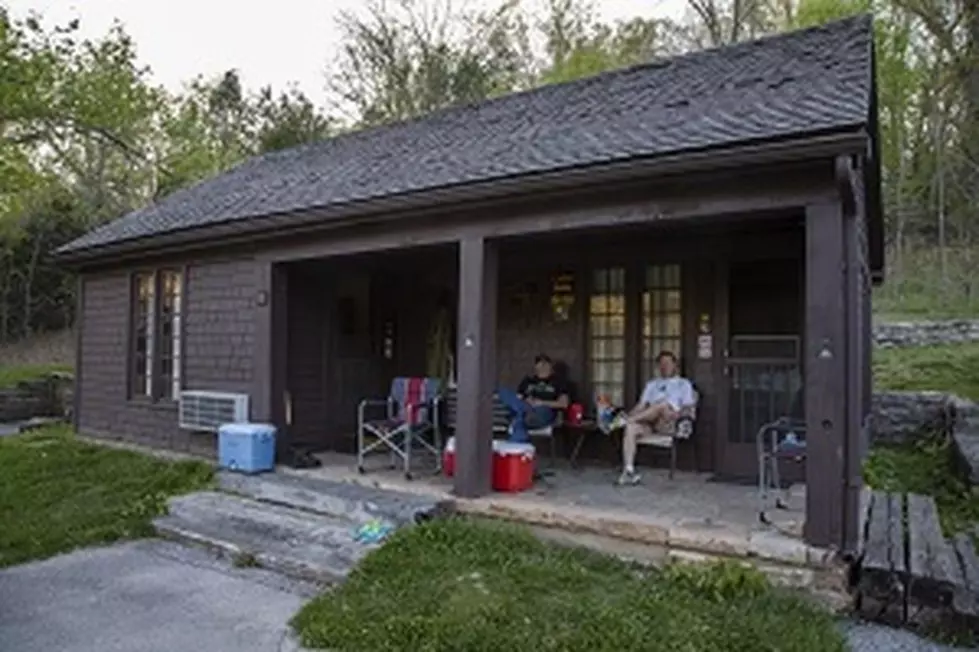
[926, 333]
[966, 435]
[899, 417]
[45, 397]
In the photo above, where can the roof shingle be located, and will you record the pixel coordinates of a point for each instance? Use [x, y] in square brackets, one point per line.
[794, 84]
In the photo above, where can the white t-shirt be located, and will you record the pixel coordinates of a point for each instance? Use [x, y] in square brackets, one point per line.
[676, 391]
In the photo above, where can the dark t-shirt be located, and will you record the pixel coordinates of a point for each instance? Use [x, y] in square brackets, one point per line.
[543, 389]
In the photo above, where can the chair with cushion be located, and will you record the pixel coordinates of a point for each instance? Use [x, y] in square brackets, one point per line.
[447, 408]
[670, 433]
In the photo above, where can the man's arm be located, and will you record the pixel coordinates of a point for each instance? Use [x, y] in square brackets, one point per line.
[689, 397]
[561, 403]
[642, 403]
[522, 387]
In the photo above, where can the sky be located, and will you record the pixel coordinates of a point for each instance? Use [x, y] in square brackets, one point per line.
[269, 42]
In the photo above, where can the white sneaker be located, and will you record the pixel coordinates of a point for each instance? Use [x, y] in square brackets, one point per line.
[628, 478]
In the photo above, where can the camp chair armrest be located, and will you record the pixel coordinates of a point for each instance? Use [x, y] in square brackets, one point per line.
[368, 403]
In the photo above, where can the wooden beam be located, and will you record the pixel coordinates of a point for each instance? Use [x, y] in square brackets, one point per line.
[854, 382]
[825, 371]
[270, 355]
[847, 184]
[476, 364]
[725, 199]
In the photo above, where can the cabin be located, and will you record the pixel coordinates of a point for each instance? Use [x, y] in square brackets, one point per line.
[724, 205]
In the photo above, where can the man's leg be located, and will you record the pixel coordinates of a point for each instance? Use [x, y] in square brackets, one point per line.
[512, 400]
[629, 438]
[518, 410]
[539, 416]
[636, 426]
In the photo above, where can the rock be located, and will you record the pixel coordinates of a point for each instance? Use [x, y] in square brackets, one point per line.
[926, 333]
[966, 435]
[900, 417]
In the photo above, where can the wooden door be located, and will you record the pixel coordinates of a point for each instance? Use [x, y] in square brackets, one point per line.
[359, 370]
[762, 376]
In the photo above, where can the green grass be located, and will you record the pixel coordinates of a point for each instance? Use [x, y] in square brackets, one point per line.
[471, 586]
[58, 493]
[12, 375]
[925, 467]
[947, 368]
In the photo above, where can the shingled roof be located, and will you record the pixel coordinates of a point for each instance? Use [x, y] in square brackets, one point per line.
[798, 84]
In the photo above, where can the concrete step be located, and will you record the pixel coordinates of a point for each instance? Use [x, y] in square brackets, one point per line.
[345, 500]
[295, 543]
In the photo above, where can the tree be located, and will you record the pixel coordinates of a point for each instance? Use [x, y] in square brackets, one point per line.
[578, 45]
[407, 59]
[288, 120]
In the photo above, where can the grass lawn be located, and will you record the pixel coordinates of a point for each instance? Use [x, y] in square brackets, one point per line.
[948, 368]
[925, 467]
[58, 493]
[10, 376]
[468, 586]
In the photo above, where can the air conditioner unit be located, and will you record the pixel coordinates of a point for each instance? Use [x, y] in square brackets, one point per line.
[207, 411]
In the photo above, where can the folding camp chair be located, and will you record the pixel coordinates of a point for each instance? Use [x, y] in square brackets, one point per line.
[409, 416]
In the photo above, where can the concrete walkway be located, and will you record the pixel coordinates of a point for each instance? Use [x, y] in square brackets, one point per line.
[145, 596]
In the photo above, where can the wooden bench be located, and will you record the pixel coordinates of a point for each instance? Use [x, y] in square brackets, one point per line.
[446, 408]
[904, 559]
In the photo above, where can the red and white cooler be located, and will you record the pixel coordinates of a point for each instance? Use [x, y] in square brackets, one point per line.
[513, 464]
[449, 457]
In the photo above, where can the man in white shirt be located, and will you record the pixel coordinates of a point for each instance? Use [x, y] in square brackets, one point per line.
[662, 400]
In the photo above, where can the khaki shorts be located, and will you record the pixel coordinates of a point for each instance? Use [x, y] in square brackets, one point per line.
[665, 425]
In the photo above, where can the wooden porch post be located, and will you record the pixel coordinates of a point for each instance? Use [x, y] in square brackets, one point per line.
[825, 374]
[476, 364]
[270, 358]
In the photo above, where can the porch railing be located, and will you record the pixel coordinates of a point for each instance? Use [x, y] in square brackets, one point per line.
[765, 383]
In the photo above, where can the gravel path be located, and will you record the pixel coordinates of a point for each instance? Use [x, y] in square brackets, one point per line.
[868, 637]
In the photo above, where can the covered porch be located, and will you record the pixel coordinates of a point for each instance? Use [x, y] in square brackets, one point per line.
[745, 283]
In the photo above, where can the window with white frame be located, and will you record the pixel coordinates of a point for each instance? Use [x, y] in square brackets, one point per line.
[155, 357]
[661, 315]
[606, 334]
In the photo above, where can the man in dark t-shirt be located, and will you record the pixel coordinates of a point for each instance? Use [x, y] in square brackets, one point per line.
[537, 400]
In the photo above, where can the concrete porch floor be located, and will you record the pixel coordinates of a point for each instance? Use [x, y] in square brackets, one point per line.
[685, 516]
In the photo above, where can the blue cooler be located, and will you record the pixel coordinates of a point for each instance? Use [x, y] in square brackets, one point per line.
[246, 447]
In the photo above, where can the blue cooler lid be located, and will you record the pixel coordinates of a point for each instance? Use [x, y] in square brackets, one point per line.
[246, 429]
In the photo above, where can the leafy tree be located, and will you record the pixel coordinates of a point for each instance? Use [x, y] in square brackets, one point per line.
[408, 59]
[288, 120]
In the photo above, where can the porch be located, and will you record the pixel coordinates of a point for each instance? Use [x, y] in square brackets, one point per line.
[749, 292]
[689, 516]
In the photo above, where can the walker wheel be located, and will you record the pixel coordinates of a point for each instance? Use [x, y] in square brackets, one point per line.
[361, 470]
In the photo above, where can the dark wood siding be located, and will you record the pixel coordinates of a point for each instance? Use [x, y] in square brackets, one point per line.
[218, 345]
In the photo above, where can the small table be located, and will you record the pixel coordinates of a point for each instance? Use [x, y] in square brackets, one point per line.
[582, 430]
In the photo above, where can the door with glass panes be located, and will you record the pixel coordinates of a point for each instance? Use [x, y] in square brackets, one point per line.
[634, 314]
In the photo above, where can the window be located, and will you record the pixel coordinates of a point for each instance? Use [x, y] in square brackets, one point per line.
[606, 332]
[157, 302]
[661, 315]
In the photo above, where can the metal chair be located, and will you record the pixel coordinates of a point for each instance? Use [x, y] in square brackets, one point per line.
[781, 439]
[409, 415]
